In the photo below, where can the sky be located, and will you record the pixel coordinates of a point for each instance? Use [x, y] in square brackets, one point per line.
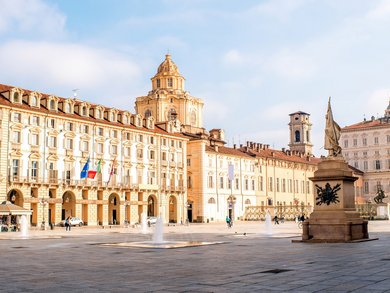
[252, 62]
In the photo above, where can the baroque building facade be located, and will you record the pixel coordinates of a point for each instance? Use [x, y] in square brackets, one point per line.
[158, 161]
[366, 146]
[46, 140]
[259, 175]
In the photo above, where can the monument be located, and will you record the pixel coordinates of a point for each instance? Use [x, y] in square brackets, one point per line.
[334, 218]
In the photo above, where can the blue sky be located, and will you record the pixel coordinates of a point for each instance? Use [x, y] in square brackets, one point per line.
[252, 62]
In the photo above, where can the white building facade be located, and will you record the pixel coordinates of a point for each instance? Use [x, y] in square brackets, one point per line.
[366, 146]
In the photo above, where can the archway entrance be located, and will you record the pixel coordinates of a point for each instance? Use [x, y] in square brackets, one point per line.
[68, 205]
[152, 206]
[172, 209]
[15, 197]
[113, 209]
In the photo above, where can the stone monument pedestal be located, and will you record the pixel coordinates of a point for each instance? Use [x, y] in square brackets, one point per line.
[382, 211]
[334, 218]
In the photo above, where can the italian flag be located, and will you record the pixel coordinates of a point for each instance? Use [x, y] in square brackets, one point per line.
[92, 173]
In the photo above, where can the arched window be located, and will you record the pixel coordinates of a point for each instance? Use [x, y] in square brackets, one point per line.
[52, 105]
[97, 114]
[33, 101]
[125, 119]
[172, 114]
[297, 136]
[148, 113]
[248, 201]
[84, 111]
[211, 200]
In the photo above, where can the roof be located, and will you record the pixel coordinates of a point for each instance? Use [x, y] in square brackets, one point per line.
[8, 208]
[366, 125]
[264, 153]
[44, 110]
[285, 156]
[168, 67]
[227, 151]
[300, 113]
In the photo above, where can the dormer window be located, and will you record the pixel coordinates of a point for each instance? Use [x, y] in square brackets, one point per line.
[66, 108]
[52, 105]
[125, 119]
[98, 114]
[112, 116]
[33, 101]
[84, 111]
[16, 97]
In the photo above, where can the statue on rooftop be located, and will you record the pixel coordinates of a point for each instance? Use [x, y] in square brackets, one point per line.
[332, 134]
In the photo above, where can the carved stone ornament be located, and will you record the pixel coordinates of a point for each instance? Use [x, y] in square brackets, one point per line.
[327, 195]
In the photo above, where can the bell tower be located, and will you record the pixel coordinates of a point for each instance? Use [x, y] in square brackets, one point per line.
[169, 101]
[300, 133]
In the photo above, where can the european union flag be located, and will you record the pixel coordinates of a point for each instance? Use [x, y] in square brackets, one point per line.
[84, 172]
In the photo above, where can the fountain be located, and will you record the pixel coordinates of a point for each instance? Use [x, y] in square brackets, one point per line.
[268, 224]
[23, 226]
[159, 242]
[144, 226]
[158, 232]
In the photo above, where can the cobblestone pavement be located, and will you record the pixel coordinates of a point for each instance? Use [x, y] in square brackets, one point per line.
[59, 261]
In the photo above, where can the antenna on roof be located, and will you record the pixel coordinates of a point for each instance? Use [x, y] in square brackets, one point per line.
[75, 93]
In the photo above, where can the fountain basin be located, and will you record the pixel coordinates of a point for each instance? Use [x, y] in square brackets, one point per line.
[162, 245]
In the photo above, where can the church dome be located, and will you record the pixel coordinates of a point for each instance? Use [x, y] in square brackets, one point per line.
[168, 67]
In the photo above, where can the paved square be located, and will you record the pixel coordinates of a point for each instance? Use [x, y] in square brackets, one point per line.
[59, 261]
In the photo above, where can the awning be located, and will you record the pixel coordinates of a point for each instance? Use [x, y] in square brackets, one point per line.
[7, 208]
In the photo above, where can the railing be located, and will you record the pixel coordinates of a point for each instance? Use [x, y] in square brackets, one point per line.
[125, 183]
[288, 212]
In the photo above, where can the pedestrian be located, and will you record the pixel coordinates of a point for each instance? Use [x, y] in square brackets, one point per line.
[276, 220]
[228, 221]
[67, 224]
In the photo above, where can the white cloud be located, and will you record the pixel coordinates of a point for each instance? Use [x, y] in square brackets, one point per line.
[31, 16]
[233, 57]
[287, 63]
[280, 9]
[66, 65]
[380, 12]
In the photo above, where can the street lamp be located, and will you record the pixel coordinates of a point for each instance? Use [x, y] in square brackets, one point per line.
[43, 202]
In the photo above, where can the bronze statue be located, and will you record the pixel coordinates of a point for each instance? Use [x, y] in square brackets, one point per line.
[380, 196]
[332, 134]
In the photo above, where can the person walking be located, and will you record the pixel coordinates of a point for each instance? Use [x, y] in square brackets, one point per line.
[67, 224]
[276, 220]
[228, 221]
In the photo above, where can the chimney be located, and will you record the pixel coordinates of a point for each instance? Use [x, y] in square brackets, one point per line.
[240, 145]
[234, 146]
[283, 150]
